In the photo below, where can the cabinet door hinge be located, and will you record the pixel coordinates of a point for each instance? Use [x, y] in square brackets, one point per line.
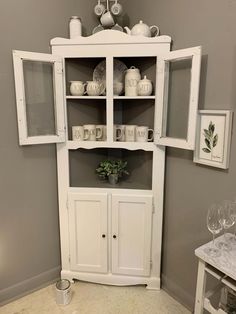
[69, 258]
[150, 264]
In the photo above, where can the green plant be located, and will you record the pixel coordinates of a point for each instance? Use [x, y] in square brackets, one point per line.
[107, 167]
[211, 139]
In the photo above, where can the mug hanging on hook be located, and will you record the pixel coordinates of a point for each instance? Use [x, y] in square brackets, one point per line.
[99, 8]
[116, 8]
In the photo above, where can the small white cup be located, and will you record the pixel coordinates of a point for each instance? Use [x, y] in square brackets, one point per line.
[116, 8]
[99, 8]
[77, 133]
[103, 129]
[117, 132]
[107, 19]
[92, 132]
[93, 88]
[142, 134]
[77, 88]
[121, 132]
[130, 134]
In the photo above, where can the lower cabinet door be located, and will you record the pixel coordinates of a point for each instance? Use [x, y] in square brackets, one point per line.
[131, 234]
[88, 232]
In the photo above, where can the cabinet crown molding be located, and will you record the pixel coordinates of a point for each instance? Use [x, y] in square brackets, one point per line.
[109, 36]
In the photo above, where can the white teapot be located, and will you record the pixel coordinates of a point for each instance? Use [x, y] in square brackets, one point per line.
[142, 29]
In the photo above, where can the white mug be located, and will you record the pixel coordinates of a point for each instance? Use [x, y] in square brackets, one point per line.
[99, 8]
[117, 132]
[130, 133]
[77, 88]
[142, 134]
[77, 133]
[91, 132]
[107, 19]
[121, 132]
[103, 129]
[93, 88]
[116, 8]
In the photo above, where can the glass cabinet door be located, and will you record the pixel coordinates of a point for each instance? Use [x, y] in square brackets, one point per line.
[178, 76]
[39, 97]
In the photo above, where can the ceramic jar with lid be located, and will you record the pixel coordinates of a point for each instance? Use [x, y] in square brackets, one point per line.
[75, 27]
[132, 77]
[144, 87]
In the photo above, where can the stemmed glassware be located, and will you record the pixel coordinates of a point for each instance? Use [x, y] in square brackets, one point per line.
[226, 220]
[232, 238]
[214, 226]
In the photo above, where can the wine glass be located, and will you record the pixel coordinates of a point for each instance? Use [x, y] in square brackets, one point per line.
[232, 238]
[214, 226]
[226, 221]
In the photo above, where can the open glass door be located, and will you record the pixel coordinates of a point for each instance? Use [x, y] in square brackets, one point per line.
[178, 76]
[39, 97]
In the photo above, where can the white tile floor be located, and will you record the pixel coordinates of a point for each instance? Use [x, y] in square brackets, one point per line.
[97, 299]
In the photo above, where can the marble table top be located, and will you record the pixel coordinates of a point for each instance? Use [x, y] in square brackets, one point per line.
[225, 262]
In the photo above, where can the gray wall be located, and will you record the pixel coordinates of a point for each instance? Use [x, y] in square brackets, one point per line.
[29, 234]
[191, 188]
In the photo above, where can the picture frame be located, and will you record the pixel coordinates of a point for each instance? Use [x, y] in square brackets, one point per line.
[213, 138]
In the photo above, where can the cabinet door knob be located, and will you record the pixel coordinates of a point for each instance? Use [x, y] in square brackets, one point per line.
[114, 236]
[104, 236]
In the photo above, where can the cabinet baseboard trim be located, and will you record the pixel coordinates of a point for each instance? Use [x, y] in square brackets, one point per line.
[29, 285]
[152, 283]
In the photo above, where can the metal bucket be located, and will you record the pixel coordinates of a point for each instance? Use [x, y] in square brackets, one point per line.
[63, 292]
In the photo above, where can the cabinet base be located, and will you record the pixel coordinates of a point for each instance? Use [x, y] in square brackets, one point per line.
[152, 283]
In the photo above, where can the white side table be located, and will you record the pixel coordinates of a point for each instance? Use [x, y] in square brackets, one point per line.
[222, 267]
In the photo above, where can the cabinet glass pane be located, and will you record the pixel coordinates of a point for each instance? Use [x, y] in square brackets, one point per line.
[177, 97]
[39, 98]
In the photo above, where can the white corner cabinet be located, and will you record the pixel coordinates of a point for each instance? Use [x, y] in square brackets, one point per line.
[109, 234]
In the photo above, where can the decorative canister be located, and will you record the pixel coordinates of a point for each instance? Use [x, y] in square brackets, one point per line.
[144, 87]
[75, 27]
[132, 77]
[63, 292]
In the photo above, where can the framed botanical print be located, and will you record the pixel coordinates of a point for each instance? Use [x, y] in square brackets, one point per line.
[213, 138]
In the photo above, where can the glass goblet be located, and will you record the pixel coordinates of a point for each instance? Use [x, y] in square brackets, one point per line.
[226, 222]
[214, 226]
[232, 237]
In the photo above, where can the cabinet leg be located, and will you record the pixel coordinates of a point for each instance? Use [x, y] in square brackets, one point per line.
[153, 284]
[200, 288]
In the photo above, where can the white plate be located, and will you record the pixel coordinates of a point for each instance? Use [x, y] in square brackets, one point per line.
[99, 73]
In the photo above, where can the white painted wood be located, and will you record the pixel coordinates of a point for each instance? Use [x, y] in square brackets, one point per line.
[110, 37]
[123, 268]
[147, 146]
[24, 139]
[161, 113]
[134, 97]
[88, 232]
[111, 279]
[86, 97]
[131, 234]
[200, 290]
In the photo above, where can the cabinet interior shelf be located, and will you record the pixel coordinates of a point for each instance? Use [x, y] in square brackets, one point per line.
[135, 97]
[86, 97]
[73, 145]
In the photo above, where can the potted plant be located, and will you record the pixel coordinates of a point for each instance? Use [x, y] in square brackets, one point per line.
[112, 170]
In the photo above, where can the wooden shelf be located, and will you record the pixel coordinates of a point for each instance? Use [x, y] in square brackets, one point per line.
[135, 97]
[147, 146]
[86, 97]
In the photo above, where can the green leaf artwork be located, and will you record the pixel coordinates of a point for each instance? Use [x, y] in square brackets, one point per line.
[211, 139]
